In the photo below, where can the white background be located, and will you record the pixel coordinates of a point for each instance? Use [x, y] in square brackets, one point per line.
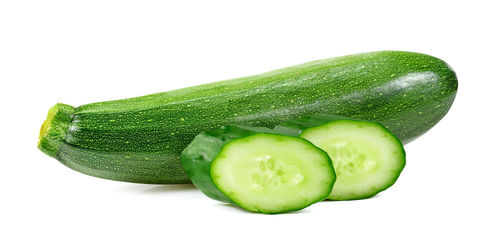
[77, 52]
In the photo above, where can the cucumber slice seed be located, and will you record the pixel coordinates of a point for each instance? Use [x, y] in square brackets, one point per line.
[366, 156]
[272, 173]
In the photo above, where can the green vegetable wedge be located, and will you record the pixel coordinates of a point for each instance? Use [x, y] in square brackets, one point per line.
[259, 170]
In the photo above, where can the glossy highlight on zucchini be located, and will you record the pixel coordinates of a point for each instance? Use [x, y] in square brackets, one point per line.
[140, 139]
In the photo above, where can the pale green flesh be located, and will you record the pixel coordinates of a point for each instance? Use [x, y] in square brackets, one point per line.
[272, 173]
[366, 157]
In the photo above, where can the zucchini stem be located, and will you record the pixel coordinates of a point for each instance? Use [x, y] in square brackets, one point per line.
[54, 128]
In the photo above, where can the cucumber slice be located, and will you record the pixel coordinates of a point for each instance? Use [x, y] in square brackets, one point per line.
[258, 170]
[367, 157]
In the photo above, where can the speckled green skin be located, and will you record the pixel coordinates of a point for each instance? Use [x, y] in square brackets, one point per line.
[198, 156]
[295, 127]
[140, 139]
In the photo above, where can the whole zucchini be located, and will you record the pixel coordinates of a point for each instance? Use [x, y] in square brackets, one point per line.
[140, 139]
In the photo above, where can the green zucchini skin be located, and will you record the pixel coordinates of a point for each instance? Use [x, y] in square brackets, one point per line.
[140, 139]
[297, 126]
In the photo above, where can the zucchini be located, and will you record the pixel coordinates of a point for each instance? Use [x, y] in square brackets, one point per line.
[366, 156]
[140, 139]
[258, 170]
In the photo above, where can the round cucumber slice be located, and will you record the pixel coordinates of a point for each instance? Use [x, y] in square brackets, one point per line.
[366, 156]
[272, 173]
